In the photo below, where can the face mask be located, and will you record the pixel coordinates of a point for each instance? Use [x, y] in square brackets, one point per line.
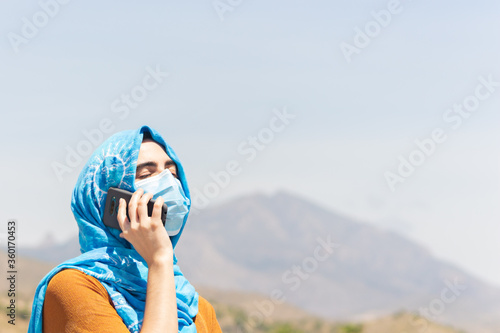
[168, 187]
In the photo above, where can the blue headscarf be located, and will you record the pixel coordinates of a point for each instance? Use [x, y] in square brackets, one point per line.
[105, 255]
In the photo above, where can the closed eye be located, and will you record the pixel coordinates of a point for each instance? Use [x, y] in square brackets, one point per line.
[172, 167]
[148, 169]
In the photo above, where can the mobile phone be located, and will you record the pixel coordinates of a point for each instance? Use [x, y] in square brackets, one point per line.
[113, 201]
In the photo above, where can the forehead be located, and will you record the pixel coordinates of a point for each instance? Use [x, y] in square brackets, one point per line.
[151, 151]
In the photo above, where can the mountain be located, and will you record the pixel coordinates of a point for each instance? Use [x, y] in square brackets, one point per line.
[234, 309]
[292, 250]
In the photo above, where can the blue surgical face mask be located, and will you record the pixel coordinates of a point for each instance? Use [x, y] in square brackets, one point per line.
[168, 187]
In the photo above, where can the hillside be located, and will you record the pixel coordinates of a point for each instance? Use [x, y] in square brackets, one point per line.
[235, 311]
[257, 242]
[280, 244]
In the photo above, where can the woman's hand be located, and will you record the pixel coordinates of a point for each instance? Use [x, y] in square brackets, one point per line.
[147, 234]
[150, 239]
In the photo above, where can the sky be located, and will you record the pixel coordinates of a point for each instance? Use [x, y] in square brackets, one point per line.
[383, 111]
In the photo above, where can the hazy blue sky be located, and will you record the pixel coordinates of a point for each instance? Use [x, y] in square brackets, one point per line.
[230, 70]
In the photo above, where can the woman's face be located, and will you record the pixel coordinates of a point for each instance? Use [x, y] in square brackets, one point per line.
[153, 160]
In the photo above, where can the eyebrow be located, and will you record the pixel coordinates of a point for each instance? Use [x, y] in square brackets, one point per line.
[152, 164]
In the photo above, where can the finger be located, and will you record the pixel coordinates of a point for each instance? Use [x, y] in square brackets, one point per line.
[132, 206]
[157, 208]
[142, 209]
[122, 215]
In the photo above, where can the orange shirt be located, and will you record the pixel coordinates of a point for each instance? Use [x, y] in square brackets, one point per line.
[77, 302]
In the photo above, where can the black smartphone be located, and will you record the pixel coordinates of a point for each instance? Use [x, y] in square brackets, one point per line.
[113, 201]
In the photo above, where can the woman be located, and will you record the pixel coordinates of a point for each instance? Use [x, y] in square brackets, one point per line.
[125, 280]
